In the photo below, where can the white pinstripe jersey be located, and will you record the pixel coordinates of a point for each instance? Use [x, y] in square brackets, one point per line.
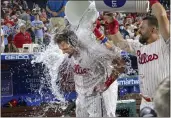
[153, 64]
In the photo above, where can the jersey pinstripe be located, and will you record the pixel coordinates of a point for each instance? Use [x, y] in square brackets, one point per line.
[153, 64]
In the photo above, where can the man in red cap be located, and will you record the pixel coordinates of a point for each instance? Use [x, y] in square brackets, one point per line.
[8, 21]
[22, 37]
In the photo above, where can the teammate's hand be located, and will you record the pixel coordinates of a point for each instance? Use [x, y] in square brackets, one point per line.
[100, 88]
[148, 99]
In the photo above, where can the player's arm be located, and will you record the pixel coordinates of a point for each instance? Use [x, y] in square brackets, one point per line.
[161, 16]
[117, 40]
[118, 68]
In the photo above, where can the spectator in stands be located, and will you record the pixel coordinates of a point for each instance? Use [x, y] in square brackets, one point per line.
[30, 31]
[28, 11]
[37, 27]
[10, 10]
[24, 3]
[2, 41]
[43, 15]
[131, 26]
[32, 17]
[7, 29]
[21, 38]
[2, 13]
[7, 20]
[47, 37]
[25, 16]
[55, 9]
[129, 30]
[122, 30]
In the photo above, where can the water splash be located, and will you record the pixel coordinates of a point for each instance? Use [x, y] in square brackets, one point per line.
[52, 58]
[89, 48]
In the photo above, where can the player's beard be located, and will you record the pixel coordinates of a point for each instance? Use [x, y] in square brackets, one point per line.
[143, 39]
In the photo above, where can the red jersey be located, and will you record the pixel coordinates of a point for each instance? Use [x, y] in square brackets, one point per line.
[21, 39]
[111, 28]
[10, 22]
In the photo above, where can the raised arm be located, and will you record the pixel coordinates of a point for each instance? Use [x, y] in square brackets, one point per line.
[117, 41]
[161, 16]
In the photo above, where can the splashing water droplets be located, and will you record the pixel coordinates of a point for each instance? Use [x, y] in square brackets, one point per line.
[90, 50]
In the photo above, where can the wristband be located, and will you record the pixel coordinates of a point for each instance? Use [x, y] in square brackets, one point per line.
[98, 34]
[153, 2]
[104, 40]
[148, 99]
[109, 81]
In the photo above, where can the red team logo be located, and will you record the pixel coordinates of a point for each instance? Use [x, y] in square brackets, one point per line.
[145, 58]
[80, 70]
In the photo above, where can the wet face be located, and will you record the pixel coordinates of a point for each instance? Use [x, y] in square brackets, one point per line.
[144, 31]
[66, 48]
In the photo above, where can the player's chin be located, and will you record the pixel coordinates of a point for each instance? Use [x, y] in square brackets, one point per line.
[142, 40]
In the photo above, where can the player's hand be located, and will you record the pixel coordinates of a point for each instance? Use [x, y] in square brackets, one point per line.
[148, 99]
[100, 88]
[54, 13]
[119, 65]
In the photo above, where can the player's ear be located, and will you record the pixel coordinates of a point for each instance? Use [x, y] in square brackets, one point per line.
[154, 30]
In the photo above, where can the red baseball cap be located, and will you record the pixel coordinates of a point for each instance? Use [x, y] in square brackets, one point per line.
[9, 22]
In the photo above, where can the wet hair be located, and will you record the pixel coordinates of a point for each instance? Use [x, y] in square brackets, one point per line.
[108, 13]
[162, 98]
[152, 20]
[68, 36]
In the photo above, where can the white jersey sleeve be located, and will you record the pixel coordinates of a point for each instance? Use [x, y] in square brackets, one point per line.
[166, 43]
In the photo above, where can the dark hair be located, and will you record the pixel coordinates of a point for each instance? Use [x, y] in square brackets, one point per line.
[66, 35]
[127, 24]
[152, 20]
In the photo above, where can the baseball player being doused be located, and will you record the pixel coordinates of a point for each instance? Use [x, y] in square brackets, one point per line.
[152, 50]
[93, 75]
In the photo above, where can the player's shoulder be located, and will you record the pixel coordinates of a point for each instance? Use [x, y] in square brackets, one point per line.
[136, 42]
